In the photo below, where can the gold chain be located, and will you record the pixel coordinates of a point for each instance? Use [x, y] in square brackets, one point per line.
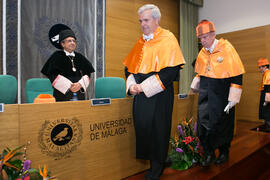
[73, 67]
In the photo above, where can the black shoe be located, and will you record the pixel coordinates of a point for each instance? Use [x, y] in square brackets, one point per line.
[155, 171]
[222, 158]
[149, 177]
[148, 174]
[209, 159]
[168, 162]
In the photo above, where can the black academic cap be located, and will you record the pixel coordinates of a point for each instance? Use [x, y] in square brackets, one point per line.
[54, 34]
[65, 34]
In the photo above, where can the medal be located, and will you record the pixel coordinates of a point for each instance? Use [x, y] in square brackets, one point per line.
[220, 59]
[72, 63]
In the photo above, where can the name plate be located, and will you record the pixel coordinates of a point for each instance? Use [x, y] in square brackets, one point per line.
[182, 96]
[1, 107]
[101, 101]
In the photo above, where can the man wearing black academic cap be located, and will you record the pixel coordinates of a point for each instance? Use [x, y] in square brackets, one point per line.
[68, 70]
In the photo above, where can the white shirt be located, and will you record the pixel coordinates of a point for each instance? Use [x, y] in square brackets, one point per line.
[211, 49]
[147, 38]
[69, 54]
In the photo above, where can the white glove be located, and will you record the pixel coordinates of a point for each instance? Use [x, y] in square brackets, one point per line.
[229, 106]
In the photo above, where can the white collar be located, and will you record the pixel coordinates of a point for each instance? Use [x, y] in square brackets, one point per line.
[69, 54]
[148, 37]
[211, 49]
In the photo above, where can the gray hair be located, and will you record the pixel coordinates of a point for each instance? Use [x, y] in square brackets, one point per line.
[154, 9]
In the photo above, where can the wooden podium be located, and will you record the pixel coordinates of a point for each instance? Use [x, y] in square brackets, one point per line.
[79, 141]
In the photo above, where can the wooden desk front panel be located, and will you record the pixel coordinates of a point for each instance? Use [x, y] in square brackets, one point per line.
[107, 152]
[9, 125]
[78, 141]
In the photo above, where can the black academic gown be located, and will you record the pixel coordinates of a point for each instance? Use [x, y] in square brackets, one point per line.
[215, 127]
[264, 111]
[152, 116]
[59, 63]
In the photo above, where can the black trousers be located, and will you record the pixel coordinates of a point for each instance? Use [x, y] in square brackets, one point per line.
[155, 171]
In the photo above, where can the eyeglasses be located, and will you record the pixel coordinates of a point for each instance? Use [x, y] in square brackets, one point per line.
[70, 40]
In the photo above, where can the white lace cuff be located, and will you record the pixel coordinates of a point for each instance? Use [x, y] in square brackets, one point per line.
[62, 84]
[84, 81]
[267, 97]
[195, 85]
[130, 81]
[235, 93]
[152, 86]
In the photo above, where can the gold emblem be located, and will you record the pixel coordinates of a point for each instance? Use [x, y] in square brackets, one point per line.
[59, 138]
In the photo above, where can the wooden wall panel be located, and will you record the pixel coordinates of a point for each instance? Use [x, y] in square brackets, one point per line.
[123, 29]
[184, 108]
[251, 44]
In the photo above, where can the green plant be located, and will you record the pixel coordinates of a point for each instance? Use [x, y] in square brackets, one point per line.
[186, 149]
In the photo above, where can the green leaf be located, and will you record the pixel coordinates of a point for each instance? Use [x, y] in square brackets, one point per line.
[17, 163]
[31, 170]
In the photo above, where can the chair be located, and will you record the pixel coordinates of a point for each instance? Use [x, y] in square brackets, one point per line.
[110, 87]
[37, 86]
[8, 90]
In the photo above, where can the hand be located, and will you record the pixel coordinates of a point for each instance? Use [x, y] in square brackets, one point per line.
[75, 87]
[133, 89]
[139, 88]
[229, 106]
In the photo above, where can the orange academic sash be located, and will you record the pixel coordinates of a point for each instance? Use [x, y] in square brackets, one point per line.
[153, 55]
[224, 62]
[265, 80]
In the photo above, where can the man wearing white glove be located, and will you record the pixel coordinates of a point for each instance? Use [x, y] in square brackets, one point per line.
[219, 83]
[264, 109]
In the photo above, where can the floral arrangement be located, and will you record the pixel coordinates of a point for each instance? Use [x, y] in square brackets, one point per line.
[12, 167]
[186, 149]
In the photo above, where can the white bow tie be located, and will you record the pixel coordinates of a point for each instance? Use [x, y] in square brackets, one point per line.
[69, 54]
[147, 38]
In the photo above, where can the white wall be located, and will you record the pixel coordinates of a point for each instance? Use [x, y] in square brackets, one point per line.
[233, 15]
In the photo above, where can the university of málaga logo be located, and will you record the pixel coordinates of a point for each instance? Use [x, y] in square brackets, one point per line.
[60, 137]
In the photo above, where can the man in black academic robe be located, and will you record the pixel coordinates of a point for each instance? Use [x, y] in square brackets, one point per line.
[219, 83]
[264, 108]
[69, 71]
[151, 67]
